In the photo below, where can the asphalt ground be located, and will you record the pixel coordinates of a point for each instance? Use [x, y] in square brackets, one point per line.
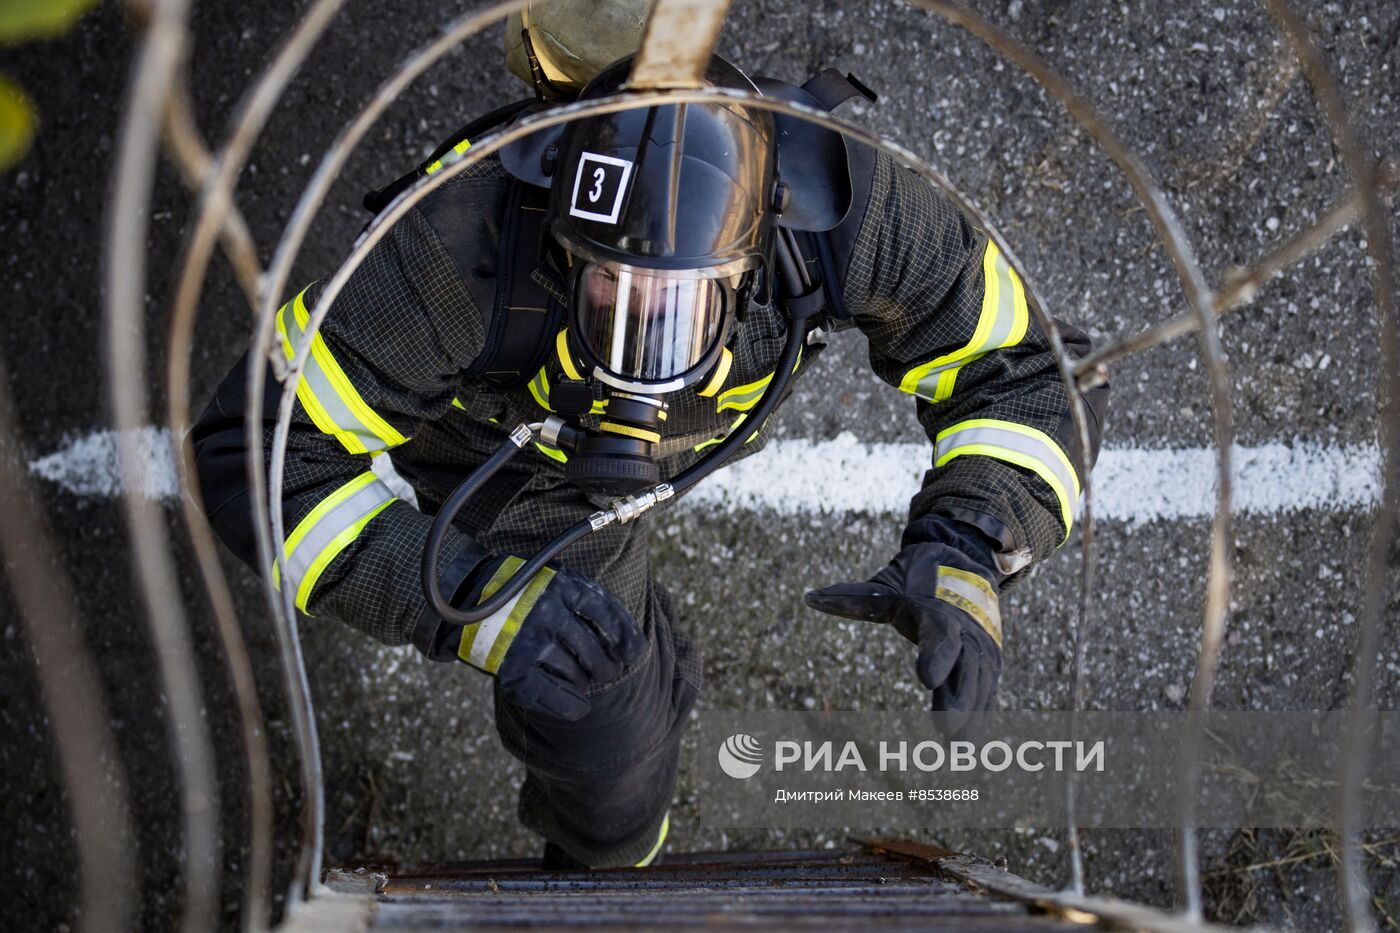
[1209, 97]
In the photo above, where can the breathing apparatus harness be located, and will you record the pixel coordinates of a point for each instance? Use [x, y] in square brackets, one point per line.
[619, 456]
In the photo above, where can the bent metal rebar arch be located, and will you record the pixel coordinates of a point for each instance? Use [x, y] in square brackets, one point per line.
[154, 100]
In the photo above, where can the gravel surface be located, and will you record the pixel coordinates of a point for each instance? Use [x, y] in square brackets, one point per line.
[1209, 97]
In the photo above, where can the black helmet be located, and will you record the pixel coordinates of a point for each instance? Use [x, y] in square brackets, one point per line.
[682, 186]
[663, 211]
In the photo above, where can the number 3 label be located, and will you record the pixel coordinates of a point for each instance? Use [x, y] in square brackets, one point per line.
[600, 187]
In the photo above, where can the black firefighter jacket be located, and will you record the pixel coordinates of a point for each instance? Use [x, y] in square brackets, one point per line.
[945, 316]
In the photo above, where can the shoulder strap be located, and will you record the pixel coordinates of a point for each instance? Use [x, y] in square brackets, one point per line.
[832, 89]
[380, 198]
[526, 316]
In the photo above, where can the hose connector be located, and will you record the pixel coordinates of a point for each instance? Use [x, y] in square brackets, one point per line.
[630, 508]
[522, 434]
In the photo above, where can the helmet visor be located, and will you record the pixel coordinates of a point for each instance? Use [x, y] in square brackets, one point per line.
[648, 325]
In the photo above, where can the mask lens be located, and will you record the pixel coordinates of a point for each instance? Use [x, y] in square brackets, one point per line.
[648, 325]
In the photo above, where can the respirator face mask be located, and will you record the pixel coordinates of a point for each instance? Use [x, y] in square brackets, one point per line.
[641, 334]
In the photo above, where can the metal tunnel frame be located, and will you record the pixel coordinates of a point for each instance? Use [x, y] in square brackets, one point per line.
[158, 108]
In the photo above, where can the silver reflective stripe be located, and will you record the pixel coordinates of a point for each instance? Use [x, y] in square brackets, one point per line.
[972, 594]
[1006, 305]
[315, 546]
[329, 397]
[1016, 444]
[489, 631]
[1002, 323]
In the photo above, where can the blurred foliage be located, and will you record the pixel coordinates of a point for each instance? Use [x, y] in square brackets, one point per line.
[22, 20]
[39, 19]
[16, 123]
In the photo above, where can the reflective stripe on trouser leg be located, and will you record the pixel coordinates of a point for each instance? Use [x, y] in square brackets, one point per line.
[660, 841]
[336, 520]
[973, 595]
[484, 644]
[327, 393]
[1017, 444]
[1002, 323]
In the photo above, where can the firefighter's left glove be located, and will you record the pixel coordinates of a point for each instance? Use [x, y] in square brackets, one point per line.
[941, 594]
[563, 634]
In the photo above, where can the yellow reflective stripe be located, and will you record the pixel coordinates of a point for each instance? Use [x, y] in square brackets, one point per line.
[345, 389]
[539, 388]
[457, 403]
[327, 393]
[566, 359]
[331, 551]
[973, 595]
[458, 149]
[484, 644]
[552, 453]
[1017, 444]
[745, 397]
[522, 608]
[737, 421]
[628, 431]
[1002, 323]
[313, 517]
[323, 421]
[660, 841]
[325, 531]
[726, 361]
[498, 580]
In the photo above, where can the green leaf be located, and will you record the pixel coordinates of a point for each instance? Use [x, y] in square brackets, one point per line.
[17, 123]
[39, 19]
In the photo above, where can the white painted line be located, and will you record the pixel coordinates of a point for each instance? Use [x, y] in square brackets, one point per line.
[88, 466]
[1130, 484]
[799, 477]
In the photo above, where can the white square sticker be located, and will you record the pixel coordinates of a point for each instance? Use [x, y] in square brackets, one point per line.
[599, 187]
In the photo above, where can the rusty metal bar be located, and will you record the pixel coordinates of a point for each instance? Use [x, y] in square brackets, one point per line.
[1103, 913]
[267, 513]
[1355, 757]
[1178, 246]
[677, 41]
[185, 147]
[1241, 285]
[214, 208]
[161, 51]
[71, 687]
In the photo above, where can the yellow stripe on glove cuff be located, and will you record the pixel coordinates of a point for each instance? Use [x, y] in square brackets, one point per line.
[484, 644]
[973, 595]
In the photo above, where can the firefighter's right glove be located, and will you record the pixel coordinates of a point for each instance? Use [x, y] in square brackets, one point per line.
[945, 601]
[560, 636]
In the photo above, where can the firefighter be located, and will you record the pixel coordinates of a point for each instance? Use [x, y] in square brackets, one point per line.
[619, 274]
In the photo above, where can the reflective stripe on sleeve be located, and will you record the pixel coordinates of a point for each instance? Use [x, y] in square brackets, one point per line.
[327, 393]
[336, 520]
[973, 595]
[1017, 444]
[1001, 324]
[484, 644]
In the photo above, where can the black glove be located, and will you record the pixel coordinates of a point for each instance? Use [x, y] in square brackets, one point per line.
[561, 635]
[940, 592]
